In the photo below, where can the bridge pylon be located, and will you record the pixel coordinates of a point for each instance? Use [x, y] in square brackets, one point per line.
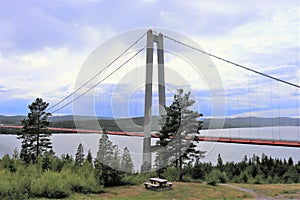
[151, 39]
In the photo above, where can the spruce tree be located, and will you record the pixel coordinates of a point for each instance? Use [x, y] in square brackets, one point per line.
[89, 158]
[179, 131]
[109, 161]
[126, 162]
[220, 164]
[35, 136]
[79, 156]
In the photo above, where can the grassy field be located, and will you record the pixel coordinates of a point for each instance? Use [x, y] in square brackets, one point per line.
[193, 191]
[189, 191]
[289, 191]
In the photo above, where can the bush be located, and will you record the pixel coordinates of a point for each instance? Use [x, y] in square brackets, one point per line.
[171, 174]
[50, 185]
[11, 186]
[81, 179]
[135, 179]
[85, 185]
[215, 176]
[187, 178]
[244, 177]
[258, 179]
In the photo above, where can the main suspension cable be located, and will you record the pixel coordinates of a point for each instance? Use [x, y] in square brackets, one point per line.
[230, 62]
[95, 85]
[97, 74]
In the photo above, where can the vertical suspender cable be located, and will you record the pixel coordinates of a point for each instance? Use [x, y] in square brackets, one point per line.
[228, 103]
[273, 136]
[257, 113]
[298, 113]
[249, 107]
[279, 115]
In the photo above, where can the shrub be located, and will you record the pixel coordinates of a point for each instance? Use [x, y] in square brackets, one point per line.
[85, 185]
[258, 179]
[50, 185]
[135, 179]
[11, 186]
[244, 177]
[171, 174]
[215, 176]
[81, 179]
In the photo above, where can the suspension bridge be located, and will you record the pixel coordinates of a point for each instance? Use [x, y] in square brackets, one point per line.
[158, 40]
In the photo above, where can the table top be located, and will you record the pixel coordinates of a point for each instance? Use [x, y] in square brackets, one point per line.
[158, 180]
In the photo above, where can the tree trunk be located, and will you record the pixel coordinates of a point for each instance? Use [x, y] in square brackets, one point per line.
[180, 160]
[180, 169]
[38, 139]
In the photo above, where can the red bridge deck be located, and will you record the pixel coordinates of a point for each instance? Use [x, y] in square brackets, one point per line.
[205, 139]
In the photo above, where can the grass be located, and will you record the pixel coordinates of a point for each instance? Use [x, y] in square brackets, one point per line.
[275, 190]
[189, 191]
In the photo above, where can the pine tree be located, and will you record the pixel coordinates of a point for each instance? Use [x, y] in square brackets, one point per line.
[179, 124]
[35, 136]
[126, 162]
[79, 156]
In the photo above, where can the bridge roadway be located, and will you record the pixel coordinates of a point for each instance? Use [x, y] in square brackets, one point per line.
[249, 141]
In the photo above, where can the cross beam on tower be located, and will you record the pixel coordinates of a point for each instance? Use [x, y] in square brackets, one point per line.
[151, 38]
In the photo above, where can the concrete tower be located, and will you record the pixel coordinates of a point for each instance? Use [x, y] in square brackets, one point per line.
[151, 38]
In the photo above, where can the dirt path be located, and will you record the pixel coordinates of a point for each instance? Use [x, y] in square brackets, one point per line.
[251, 191]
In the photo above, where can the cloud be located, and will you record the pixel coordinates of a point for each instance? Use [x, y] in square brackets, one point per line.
[48, 73]
[44, 44]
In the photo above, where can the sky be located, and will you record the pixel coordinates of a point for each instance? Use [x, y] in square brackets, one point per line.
[44, 44]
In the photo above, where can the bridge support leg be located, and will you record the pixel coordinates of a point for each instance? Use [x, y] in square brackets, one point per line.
[151, 38]
[148, 102]
[161, 74]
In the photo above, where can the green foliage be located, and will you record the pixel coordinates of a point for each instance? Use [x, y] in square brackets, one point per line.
[89, 158]
[50, 185]
[244, 177]
[258, 179]
[178, 123]
[126, 162]
[82, 179]
[197, 171]
[35, 137]
[9, 188]
[108, 160]
[79, 157]
[51, 182]
[220, 165]
[171, 174]
[135, 179]
[216, 176]
[53, 177]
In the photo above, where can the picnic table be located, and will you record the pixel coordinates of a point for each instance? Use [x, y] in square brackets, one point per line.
[156, 183]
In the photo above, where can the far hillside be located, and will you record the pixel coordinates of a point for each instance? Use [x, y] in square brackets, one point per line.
[136, 124]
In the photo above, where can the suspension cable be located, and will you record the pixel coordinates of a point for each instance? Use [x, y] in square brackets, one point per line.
[230, 62]
[97, 74]
[95, 85]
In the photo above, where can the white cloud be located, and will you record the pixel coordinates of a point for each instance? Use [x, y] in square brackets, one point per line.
[50, 73]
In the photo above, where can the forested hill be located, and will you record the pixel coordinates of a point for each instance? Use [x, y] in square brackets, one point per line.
[136, 124]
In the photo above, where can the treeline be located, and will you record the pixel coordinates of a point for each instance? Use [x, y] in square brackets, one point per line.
[256, 170]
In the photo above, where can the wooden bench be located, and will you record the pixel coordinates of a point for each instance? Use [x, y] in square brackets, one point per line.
[169, 184]
[150, 185]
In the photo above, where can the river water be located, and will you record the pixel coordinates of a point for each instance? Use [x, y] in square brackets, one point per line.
[68, 143]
